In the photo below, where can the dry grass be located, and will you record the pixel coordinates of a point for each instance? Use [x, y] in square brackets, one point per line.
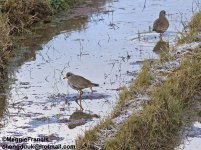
[87, 143]
[194, 28]
[144, 78]
[5, 32]
[17, 16]
[5, 40]
[195, 23]
[22, 14]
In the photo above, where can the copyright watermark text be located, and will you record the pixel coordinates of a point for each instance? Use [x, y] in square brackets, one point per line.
[9, 143]
[26, 139]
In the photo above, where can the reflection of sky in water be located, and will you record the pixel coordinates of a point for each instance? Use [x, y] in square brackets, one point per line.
[193, 138]
[104, 45]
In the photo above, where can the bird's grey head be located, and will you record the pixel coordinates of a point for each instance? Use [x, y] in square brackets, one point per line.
[68, 75]
[162, 13]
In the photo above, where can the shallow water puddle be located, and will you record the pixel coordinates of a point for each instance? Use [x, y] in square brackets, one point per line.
[193, 138]
[109, 49]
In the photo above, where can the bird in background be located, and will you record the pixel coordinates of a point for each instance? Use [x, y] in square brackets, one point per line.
[79, 83]
[161, 24]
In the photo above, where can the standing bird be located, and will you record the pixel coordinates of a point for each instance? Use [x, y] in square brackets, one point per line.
[79, 83]
[161, 24]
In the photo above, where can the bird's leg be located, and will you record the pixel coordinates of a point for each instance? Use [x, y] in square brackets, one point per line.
[91, 90]
[81, 105]
[76, 100]
[161, 34]
[81, 93]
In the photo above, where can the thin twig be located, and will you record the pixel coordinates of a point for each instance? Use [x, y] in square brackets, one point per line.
[144, 5]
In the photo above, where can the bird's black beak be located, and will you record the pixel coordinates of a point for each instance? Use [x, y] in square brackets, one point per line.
[65, 78]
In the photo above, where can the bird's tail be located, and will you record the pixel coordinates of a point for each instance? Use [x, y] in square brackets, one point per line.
[94, 84]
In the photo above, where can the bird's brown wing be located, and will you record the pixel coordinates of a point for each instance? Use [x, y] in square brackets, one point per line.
[160, 25]
[79, 82]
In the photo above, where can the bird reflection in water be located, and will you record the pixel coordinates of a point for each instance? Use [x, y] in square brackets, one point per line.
[161, 46]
